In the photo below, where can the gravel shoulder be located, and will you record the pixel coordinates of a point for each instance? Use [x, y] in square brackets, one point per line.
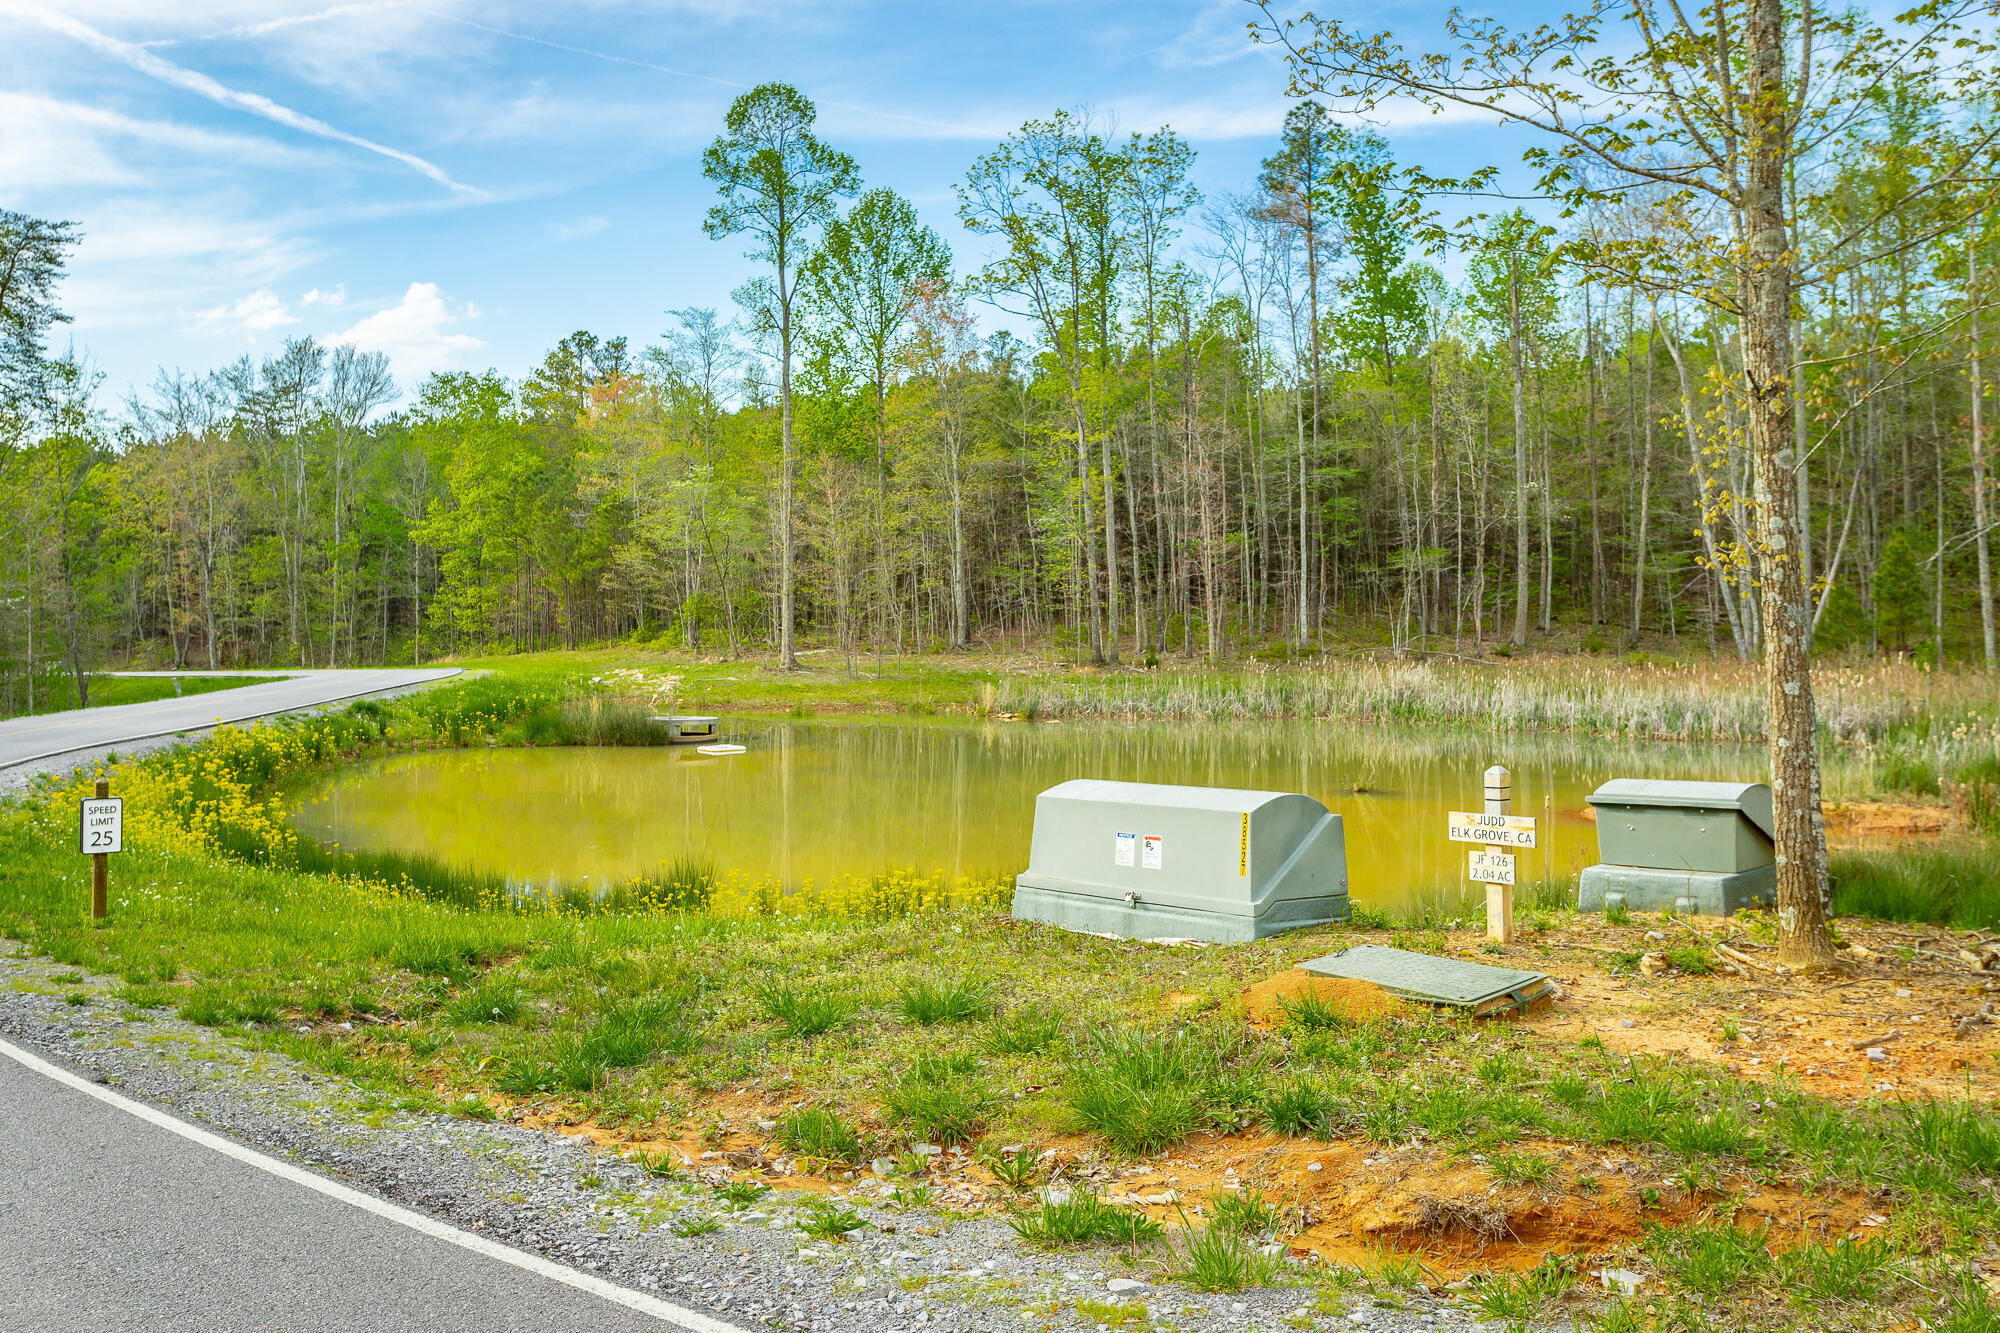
[562, 1197]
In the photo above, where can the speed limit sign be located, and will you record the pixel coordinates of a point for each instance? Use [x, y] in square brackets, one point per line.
[101, 828]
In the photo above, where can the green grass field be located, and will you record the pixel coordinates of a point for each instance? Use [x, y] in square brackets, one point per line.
[897, 1013]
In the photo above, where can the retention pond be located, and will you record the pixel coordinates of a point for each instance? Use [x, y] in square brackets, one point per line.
[821, 800]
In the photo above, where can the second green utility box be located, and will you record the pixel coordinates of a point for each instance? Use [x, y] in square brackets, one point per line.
[1209, 863]
[1681, 847]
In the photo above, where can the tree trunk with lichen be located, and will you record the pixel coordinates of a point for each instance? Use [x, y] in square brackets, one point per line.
[1764, 274]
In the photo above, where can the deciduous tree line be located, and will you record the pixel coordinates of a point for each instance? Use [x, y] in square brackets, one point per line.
[1728, 380]
[1259, 420]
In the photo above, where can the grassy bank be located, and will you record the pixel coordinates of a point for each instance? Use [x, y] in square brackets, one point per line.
[867, 1035]
[866, 1018]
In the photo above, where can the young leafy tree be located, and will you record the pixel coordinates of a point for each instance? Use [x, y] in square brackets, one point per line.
[1154, 194]
[1899, 591]
[779, 183]
[1298, 187]
[1043, 193]
[33, 255]
[1385, 303]
[1514, 291]
[864, 279]
[1725, 104]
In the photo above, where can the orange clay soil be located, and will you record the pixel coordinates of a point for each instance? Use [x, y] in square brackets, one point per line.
[1869, 822]
[1763, 1019]
[1358, 1001]
[1343, 1202]
[1866, 823]
[1446, 1209]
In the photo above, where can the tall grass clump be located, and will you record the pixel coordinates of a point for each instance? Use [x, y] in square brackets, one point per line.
[1148, 1091]
[592, 720]
[1954, 883]
[939, 1102]
[1709, 1259]
[417, 873]
[1023, 1031]
[931, 1000]
[1218, 1258]
[684, 884]
[817, 1131]
[1302, 1108]
[1707, 701]
[621, 1037]
[804, 1012]
[1077, 1217]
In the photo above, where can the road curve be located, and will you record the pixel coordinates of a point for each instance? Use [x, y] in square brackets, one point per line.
[27, 740]
[119, 1216]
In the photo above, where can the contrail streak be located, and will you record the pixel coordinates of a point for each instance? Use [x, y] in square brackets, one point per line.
[203, 86]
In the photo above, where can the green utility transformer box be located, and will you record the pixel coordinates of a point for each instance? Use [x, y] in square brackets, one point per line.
[1681, 847]
[1207, 863]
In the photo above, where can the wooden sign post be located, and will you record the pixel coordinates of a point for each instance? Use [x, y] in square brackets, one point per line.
[100, 831]
[1494, 834]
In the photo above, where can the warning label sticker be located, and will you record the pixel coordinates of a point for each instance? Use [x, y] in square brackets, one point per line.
[1127, 842]
[1154, 842]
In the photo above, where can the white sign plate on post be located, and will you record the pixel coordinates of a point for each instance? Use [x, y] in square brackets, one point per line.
[101, 825]
[1492, 830]
[1484, 866]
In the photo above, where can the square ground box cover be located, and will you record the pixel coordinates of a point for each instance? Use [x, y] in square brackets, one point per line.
[1428, 979]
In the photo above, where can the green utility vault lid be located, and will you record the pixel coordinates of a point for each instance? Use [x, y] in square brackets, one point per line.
[1752, 799]
[1431, 980]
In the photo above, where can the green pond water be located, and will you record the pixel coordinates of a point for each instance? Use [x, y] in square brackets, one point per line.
[821, 799]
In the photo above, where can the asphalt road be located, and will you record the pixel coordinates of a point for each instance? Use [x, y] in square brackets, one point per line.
[115, 1215]
[26, 740]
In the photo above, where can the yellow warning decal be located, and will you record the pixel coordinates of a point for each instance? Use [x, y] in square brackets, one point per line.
[1243, 848]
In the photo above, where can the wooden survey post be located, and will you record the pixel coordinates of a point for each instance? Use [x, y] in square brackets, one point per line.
[100, 831]
[1500, 897]
[1494, 832]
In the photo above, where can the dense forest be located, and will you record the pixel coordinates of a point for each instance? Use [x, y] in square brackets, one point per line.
[1343, 404]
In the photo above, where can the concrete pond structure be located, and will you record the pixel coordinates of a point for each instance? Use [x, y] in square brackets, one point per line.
[1143, 861]
[1701, 847]
[690, 728]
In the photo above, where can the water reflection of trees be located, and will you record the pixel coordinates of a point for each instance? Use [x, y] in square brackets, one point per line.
[814, 798]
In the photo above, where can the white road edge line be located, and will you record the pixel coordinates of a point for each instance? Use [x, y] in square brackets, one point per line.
[666, 1311]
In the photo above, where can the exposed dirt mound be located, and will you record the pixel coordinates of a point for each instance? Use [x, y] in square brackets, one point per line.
[1877, 821]
[1358, 1001]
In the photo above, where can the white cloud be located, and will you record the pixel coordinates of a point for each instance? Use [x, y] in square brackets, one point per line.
[193, 81]
[333, 299]
[158, 262]
[49, 143]
[415, 332]
[258, 312]
[578, 229]
[1219, 34]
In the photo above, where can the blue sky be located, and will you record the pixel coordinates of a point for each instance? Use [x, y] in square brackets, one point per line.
[460, 184]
